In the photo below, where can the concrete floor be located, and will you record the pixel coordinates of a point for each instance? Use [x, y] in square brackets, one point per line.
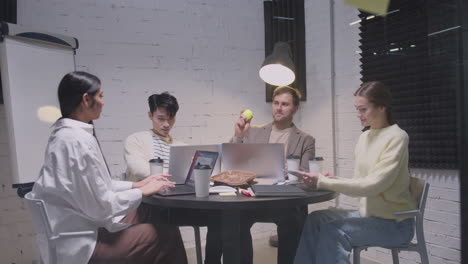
[263, 253]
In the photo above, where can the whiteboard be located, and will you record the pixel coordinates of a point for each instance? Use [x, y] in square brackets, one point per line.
[31, 72]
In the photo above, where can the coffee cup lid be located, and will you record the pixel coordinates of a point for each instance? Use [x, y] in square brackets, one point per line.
[158, 160]
[316, 158]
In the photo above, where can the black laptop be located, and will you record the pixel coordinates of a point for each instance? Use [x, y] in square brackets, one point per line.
[277, 190]
[200, 157]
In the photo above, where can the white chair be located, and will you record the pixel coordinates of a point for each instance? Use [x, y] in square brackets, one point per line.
[46, 239]
[419, 189]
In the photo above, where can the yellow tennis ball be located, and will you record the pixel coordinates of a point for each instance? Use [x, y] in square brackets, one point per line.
[247, 114]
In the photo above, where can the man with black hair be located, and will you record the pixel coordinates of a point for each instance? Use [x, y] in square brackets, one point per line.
[154, 143]
[150, 144]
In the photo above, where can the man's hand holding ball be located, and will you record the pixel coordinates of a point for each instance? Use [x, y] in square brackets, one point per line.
[243, 123]
[248, 114]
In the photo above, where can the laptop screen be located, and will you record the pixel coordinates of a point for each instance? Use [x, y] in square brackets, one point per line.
[265, 159]
[181, 158]
[204, 158]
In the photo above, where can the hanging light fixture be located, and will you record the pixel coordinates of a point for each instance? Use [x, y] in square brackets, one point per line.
[278, 67]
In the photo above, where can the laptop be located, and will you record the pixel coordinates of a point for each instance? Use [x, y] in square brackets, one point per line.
[267, 160]
[188, 187]
[277, 190]
[180, 158]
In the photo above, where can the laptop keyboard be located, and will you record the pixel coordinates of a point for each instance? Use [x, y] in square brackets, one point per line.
[182, 188]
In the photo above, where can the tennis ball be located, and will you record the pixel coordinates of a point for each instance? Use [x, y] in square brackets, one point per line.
[247, 114]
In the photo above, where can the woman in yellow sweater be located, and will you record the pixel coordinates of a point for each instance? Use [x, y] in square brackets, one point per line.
[381, 181]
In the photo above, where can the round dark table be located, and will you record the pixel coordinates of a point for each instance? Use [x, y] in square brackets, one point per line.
[231, 207]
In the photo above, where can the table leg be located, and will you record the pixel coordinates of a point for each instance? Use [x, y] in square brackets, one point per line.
[231, 236]
[290, 226]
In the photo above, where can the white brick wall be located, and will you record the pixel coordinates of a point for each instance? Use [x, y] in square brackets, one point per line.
[17, 243]
[204, 52]
[207, 53]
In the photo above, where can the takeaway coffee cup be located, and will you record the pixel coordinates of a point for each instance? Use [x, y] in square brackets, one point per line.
[315, 165]
[201, 176]
[156, 166]
[293, 165]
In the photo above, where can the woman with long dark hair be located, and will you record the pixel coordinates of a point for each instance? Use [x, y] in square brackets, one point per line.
[79, 193]
[381, 181]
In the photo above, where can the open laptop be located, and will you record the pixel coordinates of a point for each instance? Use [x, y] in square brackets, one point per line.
[181, 157]
[277, 190]
[267, 160]
[188, 187]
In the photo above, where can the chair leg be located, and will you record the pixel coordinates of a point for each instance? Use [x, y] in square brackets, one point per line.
[395, 258]
[198, 250]
[423, 254]
[357, 255]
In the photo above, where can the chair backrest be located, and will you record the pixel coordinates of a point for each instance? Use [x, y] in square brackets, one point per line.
[41, 222]
[419, 189]
[39, 215]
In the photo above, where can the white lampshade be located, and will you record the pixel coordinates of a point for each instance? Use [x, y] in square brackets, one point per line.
[278, 68]
[277, 74]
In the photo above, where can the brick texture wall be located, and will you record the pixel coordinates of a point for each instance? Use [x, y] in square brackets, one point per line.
[17, 243]
[207, 53]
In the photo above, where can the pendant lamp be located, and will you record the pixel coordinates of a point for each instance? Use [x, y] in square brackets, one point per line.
[278, 67]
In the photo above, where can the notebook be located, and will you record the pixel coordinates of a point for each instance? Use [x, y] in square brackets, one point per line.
[277, 190]
[180, 158]
[264, 159]
[201, 157]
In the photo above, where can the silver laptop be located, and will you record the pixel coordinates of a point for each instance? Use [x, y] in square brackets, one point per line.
[180, 158]
[265, 159]
[200, 157]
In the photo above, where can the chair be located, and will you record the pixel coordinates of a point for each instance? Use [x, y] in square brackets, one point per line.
[46, 239]
[419, 189]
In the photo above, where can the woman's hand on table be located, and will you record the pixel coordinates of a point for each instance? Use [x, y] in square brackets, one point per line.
[156, 186]
[329, 175]
[156, 177]
[309, 179]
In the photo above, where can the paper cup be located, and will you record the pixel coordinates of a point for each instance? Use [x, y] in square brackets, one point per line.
[293, 165]
[201, 176]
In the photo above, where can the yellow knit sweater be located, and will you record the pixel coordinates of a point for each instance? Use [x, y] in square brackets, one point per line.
[381, 176]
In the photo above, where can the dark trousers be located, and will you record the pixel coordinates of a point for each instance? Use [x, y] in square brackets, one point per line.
[148, 240]
[289, 223]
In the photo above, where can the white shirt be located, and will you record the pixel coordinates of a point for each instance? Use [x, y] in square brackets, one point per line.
[78, 191]
[138, 151]
[161, 149]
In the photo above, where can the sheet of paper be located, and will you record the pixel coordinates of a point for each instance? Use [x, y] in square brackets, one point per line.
[266, 180]
[377, 7]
